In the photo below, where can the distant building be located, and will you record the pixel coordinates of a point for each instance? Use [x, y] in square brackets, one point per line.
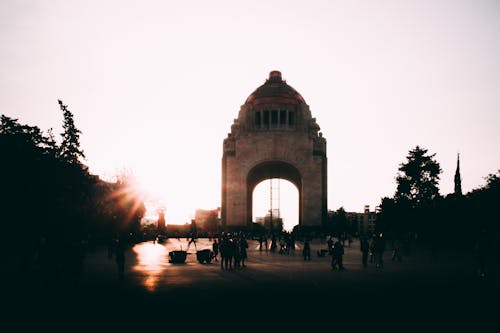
[355, 220]
[363, 223]
[178, 230]
[207, 219]
[161, 224]
[277, 221]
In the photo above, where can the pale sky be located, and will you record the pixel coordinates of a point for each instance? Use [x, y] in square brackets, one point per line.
[155, 85]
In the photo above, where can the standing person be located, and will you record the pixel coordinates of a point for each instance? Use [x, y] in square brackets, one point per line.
[365, 248]
[329, 243]
[215, 248]
[243, 250]
[273, 243]
[306, 251]
[224, 249]
[261, 240]
[337, 253]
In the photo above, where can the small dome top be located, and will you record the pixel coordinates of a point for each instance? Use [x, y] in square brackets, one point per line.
[275, 90]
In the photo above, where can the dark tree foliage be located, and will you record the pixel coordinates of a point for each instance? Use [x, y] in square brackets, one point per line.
[418, 209]
[484, 203]
[418, 178]
[338, 223]
[70, 150]
[47, 194]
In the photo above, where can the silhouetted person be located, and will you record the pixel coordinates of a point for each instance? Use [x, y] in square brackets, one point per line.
[365, 249]
[120, 259]
[306, 251]
[282, 245]
[274, 244]
[261, 241]
[337, 254]
[290, 245]
[329, 243]
[225, 249]
[215, 248]
[243, 250]
[192, 241]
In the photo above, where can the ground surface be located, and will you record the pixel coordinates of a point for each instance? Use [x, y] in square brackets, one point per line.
[417, 284]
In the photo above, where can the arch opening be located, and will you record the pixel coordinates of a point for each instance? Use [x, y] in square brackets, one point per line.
[275, 171]
[276, 201]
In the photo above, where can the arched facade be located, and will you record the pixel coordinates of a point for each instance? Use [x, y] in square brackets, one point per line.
[274, 136]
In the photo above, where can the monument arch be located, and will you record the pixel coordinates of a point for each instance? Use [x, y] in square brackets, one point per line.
[274, 136]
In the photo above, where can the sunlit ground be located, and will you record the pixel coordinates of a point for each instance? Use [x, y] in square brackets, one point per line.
[151, 262]
[152, 259]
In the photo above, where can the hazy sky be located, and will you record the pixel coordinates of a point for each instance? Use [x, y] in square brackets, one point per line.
[155, 85]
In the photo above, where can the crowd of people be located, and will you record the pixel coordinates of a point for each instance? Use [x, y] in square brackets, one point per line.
[232, 249]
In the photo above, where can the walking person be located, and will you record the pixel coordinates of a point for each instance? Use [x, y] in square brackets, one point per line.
[192, 241]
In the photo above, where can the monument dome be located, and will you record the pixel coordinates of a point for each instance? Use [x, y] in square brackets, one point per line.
[275, 90]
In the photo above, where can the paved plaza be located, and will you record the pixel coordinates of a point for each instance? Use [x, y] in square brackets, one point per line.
[269, 279]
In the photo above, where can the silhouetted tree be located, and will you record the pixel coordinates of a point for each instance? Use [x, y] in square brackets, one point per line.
[418, 178]
[338, 222]
[49, 195]
[483, 203]
[70, 146]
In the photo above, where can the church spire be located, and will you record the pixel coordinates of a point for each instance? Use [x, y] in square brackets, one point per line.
[458, 180]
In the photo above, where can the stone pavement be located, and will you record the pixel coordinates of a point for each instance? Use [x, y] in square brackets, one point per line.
[269, 279]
